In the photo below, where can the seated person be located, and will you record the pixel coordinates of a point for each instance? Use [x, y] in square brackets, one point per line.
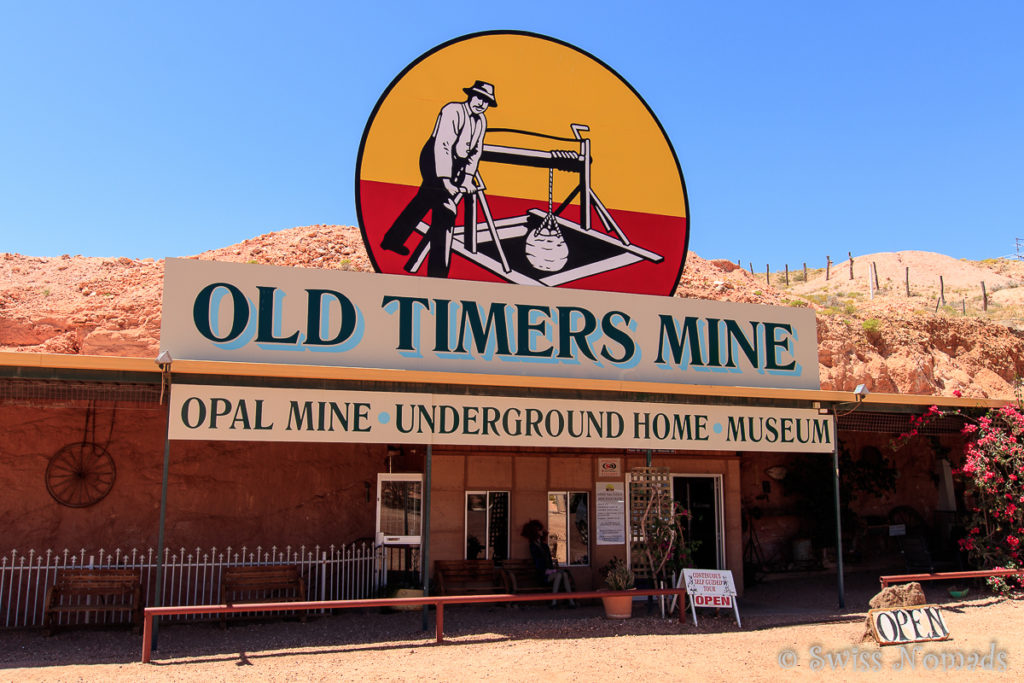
[544, 564]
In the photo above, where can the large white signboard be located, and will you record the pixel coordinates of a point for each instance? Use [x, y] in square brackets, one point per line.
[228, 413]
[611, 513]
[271, 314]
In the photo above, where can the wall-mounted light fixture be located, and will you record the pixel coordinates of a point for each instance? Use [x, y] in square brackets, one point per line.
[861, 392]
[164, 361]
[390, 454]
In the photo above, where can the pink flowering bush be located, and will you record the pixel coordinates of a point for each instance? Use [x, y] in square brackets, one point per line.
[993, 472]
[993, 476]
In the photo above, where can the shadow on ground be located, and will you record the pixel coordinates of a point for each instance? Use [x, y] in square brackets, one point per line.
[779, 600]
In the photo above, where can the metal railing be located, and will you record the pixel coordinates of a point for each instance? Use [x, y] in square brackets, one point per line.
[191, 577]
[438, 602]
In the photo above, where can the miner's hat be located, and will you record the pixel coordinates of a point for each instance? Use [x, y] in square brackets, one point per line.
[482, 90]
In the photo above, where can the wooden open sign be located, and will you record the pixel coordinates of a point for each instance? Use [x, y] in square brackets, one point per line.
[898, 625]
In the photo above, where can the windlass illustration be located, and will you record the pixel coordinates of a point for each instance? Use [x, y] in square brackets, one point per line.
[539, 247]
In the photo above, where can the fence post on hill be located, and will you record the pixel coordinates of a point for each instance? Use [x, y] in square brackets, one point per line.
[942, 290]
[751, 264]
[984, 297]
[965, 305]
[767, 275]
[828, 266]
[907, 278]
[787, 275]
[805, 271]
[850, 254]
[874, 267]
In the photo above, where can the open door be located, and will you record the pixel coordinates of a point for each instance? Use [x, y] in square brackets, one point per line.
[400, 524]
[702, 496]
[399, 509]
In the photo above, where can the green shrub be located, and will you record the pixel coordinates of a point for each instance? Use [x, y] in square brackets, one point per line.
[871, 325]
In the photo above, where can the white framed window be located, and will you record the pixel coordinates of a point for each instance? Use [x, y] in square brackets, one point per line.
[569, 527]
[399, 509]
[487, 525]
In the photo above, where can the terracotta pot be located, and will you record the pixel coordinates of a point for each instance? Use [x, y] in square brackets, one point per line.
[408, 593]
[618, 606]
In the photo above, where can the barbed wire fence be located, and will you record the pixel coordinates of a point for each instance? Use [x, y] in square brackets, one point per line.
[783, 277]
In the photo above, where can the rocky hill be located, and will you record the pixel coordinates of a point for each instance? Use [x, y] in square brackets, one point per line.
[935, 340]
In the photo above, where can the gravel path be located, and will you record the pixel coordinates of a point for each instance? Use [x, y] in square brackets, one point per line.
[526, 643]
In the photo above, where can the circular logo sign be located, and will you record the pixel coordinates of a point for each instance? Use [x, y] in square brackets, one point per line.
[514, 157]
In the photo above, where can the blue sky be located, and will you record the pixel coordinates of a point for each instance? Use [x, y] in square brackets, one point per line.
[147, 129]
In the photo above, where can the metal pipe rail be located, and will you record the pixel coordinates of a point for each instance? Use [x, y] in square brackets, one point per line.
[439, 601]
[939, 576]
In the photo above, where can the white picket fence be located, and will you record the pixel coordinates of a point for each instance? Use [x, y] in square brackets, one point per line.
[190, 577]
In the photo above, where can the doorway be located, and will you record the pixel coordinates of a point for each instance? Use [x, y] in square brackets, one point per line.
[702, 496]
[399, 525]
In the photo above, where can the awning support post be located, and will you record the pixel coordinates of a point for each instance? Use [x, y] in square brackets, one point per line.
[158, 594]
[839, 521]
[425, 534]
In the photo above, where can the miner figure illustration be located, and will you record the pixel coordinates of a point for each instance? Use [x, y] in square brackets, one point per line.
[448, 164]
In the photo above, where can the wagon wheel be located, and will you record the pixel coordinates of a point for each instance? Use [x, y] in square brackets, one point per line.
[80, 474]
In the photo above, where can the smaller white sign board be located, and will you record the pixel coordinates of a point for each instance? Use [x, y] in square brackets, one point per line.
[611, 513]
[711, 588]
[609, 467]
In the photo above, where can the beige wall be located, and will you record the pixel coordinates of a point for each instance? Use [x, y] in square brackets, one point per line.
[529, 474]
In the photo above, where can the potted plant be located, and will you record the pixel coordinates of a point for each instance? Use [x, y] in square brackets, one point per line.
[402, 589]
[618, 577]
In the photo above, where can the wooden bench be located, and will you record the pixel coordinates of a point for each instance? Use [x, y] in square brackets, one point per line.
[520, 576]
[94, 591]
[467, 577]
[940, 576]
[262, 583]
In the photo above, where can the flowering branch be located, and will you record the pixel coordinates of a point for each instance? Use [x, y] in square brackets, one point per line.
[993, 476]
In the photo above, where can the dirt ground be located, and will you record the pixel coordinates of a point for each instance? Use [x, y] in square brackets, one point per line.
[791, 629]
